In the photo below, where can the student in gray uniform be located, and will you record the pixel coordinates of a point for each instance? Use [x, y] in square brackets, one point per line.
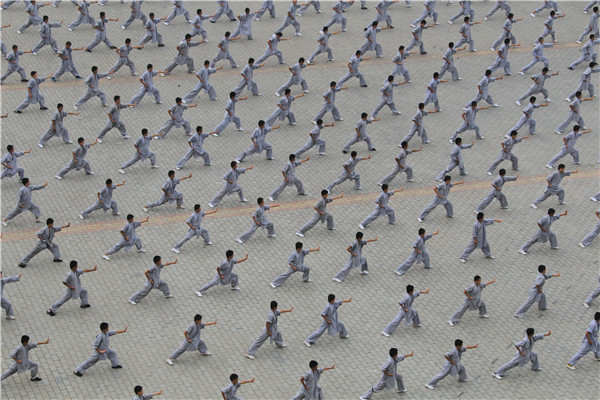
[401, 165]
[151, 27]
[406, 313]
[473, 301]
[192, 341]
[387, 97]
[549, 26]
[353, 70]
[417, 38]
[502, 58]
[45, 237]
[592, 26]
[93, 89]
[418, 128]
[33, 17]
[456, 159]
[398, 62]
[139, 391]
[22, 362]
[389, 376]
[129, 238]
[105, 201]
[330, 323]
[142, 152]
[382, 207]
[371, 43]
[178, 9]
[74, 289]
[259, 142]
[290, 19]
[289, 178]
[244, 27]
[355, 259]
[360, 133]
[182, 56]
[136, 13]
[524, 354]
[538, 85]
[452, 365]
[78, 159]
[169, 193]
[465, 9]
[587, 53]
[574, 114]
[176, 119]
[496, 191]
[321, 214]
[272, 48]
[46, 36]
[349, 173]
[449, 62]
[441, 197]
[100, 28]
[589, 238]
[84, 16]
[507, 32]
[329, 103]
[195, 230]
[506, 152]
[585, 82]
[230, 392]
[270, 331]
[247, 80]
[10, 164]
[197, 28]
[483, 88]
[419, 253]
[589, 342]
[196, 149]
[101, 350]
[13, 64]
[33, 93]
[225, 275]
[590, 298]
[66, 64]
[315, 139]
[230, 116]
[429, 11]
[7, 305]
[295, 264]
[527, 117]
[336, 18]
[465, 32]
[223, 53]
[223, 9]
[538, 55]
[479, 236]
[431, 93]
[147, 82]
[154, 281]
[310, 382]
[323, 46]
[500, 4]
[203, 75]
[24, 201]
[260, 221]
[231, 186]
[303, 7]
[544, 234]
[114, 121]
[553, 187]
[469, 114]
[569, 147]
[284, 109]
[295, 78]
[535, 293]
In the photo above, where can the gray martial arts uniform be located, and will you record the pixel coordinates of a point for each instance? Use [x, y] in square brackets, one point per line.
[225, 269]
[399, 68]
[154, 282]
[123, 60]
[533, 295]
[354, 261]
[538, 55]
[353, 72]
[72, 279]
[230, 392]
[229, 117]
[77, 161]
[574, 116]
[104, 202]
[496, 193]
[545, 235]
[334, 328]
[136, 13]
[247, 80]
[24, 202]
[589, 238]
[311, 380]
[33, 17]
[197, 28]
[271, 50]
[371, 42]
[169, 194]
[290, 19]
[464, 10]
[36, 97]
[10, 159]
[382, 208]
[469, 123]
[231, 186]
[321, 206]
[506, 154]
[428, 12]
[420, 131]
[46, 37]
[7, 305]
[329, 105]
[525, 346]
[451, 369]
[592, 26]
[244, 27]
[347, 173]
[132, 239]
[142, 146]
[440, 198]
[152, 32]
[506, 33]
[176, 120]
[306, 6]
[193, 334]
[223, 53]
[431, 94]
[289, 169]
[336, 18]
[323, 47]
[274, 337]
[266, 5]
[84, 16]
[196, 230]
[502, 59]
[526, 118]
[203, 75]
[13, 65]
[500, 4]
[549, 28]
[93, 89]
[449, 64]
[474, 291]
[538, 86]
[182, 57]
[313, 140]
[554, 188]
[178, 9]
[196, 150]
[416, 40]
[45, 236]
[387, 98]
[360, 132]
[585, 83]
[22, 353]
[259, 216]
[401, 166]
[568, 148]
[386, 382]
[66, 64]
[423, 256]
[295, 79]
[465, 36]
[587, 53]
[409, 316]
[258, 137]
[548, 5]
[114, 114]
[483, 93]
[456, 160]
[223, 9]
[297, 260]
[100, 29]
[101, 343]
[594, 294]
[586, 347]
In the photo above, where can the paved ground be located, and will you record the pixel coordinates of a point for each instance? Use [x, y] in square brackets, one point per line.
[156, 325]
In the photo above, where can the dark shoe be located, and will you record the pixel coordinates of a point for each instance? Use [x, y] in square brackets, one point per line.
[344, 151]
[57, 260]
[51, 313]
[423, 52]
[79, 374]
[43, 108]
[117, 367]
[113, 47]
[373, 149]
[88, 50]
[85, 306]
[17, 112]
[36, 379]
[365, 29]
[390, 27]
[22, 265]
[78, 77]
[212, 22]
[571, 68]
[161, 45]
[24, 80]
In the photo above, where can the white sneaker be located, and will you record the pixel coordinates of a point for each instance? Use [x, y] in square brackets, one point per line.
[299, 234]
[428, 386]
[198, 293]
[174, 250]
[570, 366]
[11, 317]
[364, 272]
[41, 146]
[81, 216]
[463, 260]
[236, 288]
[495, 105]
[250, 356]
[273, 286]
[168, 296]
[239, 241]
[299, 34]
[107, 258]
[208, 243]
[495, 375]
[169, 361]
[398, 273]
[518, 102]
[58, 177]
[141, 251]
[385, 334]
[521, 73]
[132, 302]
[586, 305]
[450, 323]
[492, 257]
[244, 200]
[271, 198]
[549, 166]
[484, 316]
[489, 173]
[522, 252]
[307, 344]
[211, 205]
[4, 223]
[420, 220]
[337, 280]
[361, 226]
[121, 171]
[532, 205]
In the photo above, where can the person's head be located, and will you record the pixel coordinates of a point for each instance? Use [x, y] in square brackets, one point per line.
[292, 157]
[592, 37]
[552, 13]
[359, 235]
[576, 128]
[171, 174]
[273, 305]
[466, 19]
[232, 95]
[507, 41]
[477, 279]
[129, 217]
[45, 18]
[541, 40]
[10, 148]
[393, 352]
[15, 48]
[73, 265]
[447, 179]
[94, 69]
[287, 92]
[390, 78]
[261, 124]
[480, 216]
[410, 289]
[488, 72]
[299, 246]
[117, 99]
[513, 134]
[423, 23]
[385, 187]
[436, 75]
[541, 269]
[593, 64]
[578, 94]
[332, 84]
[358, 53]
[138, 390]
[451, 44]
[404, 144]
[510, 15]
[188, 37]
[25, 181]
[324, 193]
[319, 122]
[233, 165]
[127, 42]
[197, 208]
[34, 74]
[301, 60]
[401, 49]
[421, 232]
[80, 141]
[199, 11]
[229, 254]
[502, 172]
[325, 29]
[151, 15]
[364, 116]
[49, 222]
[251, 61]
[144, 132]
[149, 67]
[374, 24]
[178, 101]
[260, 201]
[595, 9]
[24, 340]
[233, 378]
[313, 365]
[561, 167]
[457, 141]
[206, 63]
[331, 298]
[474, 103]
[197, 318]
[353, 154]
[59, 107]
[198, 129]
[102, 15]
[458, 343]
[530, 332]
[108, 182]
[104, 327]
[156, 260]
[279, 34]
[597, 316]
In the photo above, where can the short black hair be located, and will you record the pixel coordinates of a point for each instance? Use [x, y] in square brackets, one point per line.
[103, 326]
[541, 268]
[229, 253]
[156, 259]
[24, 339]
[458, 342]
[393, 352]
[137, 389]
[409, 288]
[330, 297]
[299, 245]
[197, 317]
[273, 304]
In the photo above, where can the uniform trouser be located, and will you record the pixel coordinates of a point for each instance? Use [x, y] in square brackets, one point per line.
[123, 61]
[560, 193]
[82, 19]
[389, 211]
[498, 6]
[309, 145]
[392, 326]
[413, 43]
[137, 157]
[223, 56]
[186, 14]
[71, 166]
[164, 199]
[254, 150]
[488, 199]
[584, 57]
[400, 69]
[66, 68]
[501, 38]
[591, 236]
[534, 61]
[304, 7]
[349, 75]
[238, 32]
[462, 375]
[109, 125]
[279, 280]
[132, 18]
[143, 91]
[89, 94]
[463, 309]
[315, 219]
[43, 42]
[184, 347]
[190, 234]
[434, 204]
[471, 248]
[98, 206]
[62, 132]
[590, 5]
[235, 119]
[535, 365]
[341, 275]
[244, 237]
[467, 13]
[270, 53]
[208, 88]
[402, 268]
[20, 70]
[534, 239]
[420, 130]
[95, 357]
[572, 117]
[480, 97]
[501, 62]
[162, 286]
[199, 31]
[189, 62]
[287, 23]
[39, 247]
[279, 189]
[30, 21]
[382, 103]
[28, 101]
[378, 49]
[319, 51]
[563, 152]
[7, 305]
[344, 177]
[531, 300]
[522, 121]
[585, 348]
[397, 169]
[33, 367]
[7, 173]
[426, 13]
[453, 164]
[83, 295]
[263, 9]
[33, 208]
[381, 385]
[190, 153]
[451, 68]
[582, 88]
[534, 90]
[148, 37]
[261, 339]
[342, 21]
[357, 139]
[586, 32]
[250, 84]
[219, 196]
[462, 41]
[215, 282]
[464, 127]
[97, 41]
[513, 159]
[593, 295]
[170, 124]
[119, 246]
[319, 332]
[219, 12]
[290, 82]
